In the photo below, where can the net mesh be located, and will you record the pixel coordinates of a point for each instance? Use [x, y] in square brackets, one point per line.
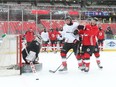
[9, 55]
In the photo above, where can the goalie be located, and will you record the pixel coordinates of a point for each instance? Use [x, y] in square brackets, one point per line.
[30, 53]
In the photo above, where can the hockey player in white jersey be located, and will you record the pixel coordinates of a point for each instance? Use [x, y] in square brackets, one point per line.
[71, 40]
[30, 53]
[60, 38]
[45, 38]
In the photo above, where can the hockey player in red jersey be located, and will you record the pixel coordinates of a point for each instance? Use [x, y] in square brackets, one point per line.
[96, 50]
[101, 37]
[89, 44]
[71, 41]
[29, 36]
[53, 37]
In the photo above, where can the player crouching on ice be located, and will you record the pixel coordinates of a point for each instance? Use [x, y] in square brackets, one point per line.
[30, 53]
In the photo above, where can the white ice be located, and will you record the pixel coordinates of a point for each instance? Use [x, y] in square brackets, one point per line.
[72, 78]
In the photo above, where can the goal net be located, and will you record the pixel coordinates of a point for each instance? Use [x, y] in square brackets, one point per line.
[10, 55]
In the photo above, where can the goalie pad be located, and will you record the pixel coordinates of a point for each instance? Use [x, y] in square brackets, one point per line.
[31, 56]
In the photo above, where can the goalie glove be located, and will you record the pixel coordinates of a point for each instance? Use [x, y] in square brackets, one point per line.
[31, 56]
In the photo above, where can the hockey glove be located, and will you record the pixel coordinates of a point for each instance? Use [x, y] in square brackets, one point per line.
[75, 32]
[47, 41]
[80, 38]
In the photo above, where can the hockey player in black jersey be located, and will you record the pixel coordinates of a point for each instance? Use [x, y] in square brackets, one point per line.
[30, 53]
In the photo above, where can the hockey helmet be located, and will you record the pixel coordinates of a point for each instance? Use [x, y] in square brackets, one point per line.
[96, 19]
[68, 18]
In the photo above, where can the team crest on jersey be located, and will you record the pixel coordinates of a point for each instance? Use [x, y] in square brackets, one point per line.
[88, 50]
[53, 35]
[100, 34]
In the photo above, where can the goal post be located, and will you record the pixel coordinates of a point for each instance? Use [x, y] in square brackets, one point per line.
[10, 55]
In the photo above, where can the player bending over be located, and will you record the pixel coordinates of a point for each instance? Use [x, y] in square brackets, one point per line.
[30, 53]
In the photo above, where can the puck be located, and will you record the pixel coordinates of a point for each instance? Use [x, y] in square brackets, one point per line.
[37, 78]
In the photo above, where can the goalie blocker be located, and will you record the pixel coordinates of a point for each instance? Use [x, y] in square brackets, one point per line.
[30, 53]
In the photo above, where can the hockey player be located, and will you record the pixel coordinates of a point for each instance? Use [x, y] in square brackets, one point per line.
[45, 38]
[30, 52]
[96, 50]
[53, 38]
[101, 37]
[87, 45]
[71, 40]
[29, 36]
[90, 44]
[60, 38]
[79, 56]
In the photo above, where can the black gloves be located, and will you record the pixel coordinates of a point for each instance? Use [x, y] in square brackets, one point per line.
[75, 32]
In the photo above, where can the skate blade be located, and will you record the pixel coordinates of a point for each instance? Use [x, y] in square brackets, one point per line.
[63, 72]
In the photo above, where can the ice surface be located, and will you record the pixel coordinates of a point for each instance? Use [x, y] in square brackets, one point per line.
[72, 78]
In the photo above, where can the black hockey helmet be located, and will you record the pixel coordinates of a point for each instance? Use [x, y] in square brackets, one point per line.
[68, 17]
[44, 30]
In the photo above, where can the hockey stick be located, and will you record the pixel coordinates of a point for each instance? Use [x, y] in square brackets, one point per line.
[53, 71]
[32, 66]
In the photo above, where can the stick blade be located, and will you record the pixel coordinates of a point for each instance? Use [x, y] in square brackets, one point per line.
[51, 71]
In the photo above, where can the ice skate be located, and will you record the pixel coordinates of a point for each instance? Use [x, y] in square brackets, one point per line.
[55, 51]
[81, 68]
[99, 65]
[86, 69]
